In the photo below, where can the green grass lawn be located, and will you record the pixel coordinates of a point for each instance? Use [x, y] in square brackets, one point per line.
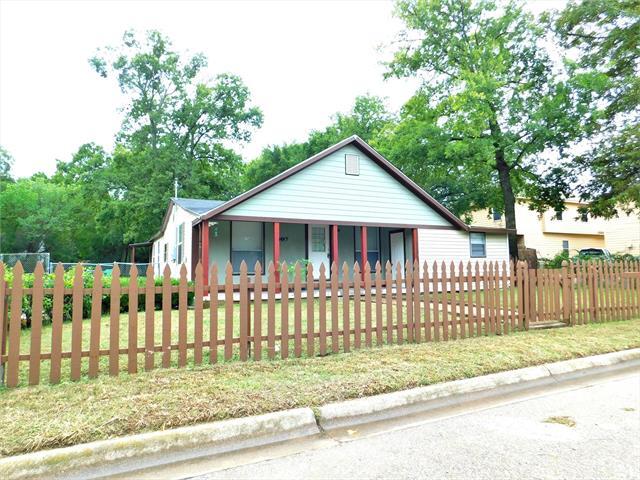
[25, 339]
[47, 416]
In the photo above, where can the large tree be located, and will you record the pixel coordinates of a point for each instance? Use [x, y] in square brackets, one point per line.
[177, 128]
[6, 162]
[490, 86]
[604, 36]
[39, 215]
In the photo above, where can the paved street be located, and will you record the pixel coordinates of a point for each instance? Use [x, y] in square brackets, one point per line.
[510, 441]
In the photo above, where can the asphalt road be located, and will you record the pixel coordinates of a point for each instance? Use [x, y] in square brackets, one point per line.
[514, 441]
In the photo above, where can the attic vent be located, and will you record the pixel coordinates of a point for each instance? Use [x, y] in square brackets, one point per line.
[352, 164]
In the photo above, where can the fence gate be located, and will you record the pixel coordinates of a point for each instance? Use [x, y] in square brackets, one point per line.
[583, 292]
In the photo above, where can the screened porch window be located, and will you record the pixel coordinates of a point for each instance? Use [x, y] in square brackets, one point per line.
[246, 244]
[373, 246]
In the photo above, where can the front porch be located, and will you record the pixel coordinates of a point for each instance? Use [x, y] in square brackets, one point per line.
[222, 241]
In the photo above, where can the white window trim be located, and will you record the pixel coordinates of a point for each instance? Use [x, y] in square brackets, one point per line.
[471, 243]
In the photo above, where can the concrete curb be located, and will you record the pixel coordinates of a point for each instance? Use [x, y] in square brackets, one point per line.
[135, 452]
[121, 455]
[419, 400]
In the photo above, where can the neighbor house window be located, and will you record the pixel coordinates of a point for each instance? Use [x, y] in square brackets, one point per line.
[246, 244]
[584, 217]
[478, 245]
[179, 243]
[373, 248]
[166, 252]
[497, 214]
[565, 246]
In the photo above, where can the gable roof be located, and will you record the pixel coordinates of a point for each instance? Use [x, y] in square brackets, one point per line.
[196, 206]
[367, 150]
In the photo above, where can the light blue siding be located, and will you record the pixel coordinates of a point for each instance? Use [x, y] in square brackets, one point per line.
[323, 192]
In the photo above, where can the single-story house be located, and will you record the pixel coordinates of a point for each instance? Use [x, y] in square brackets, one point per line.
[334, 206]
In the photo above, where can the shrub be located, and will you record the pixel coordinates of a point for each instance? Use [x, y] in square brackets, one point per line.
[87, 280]
[556, 261]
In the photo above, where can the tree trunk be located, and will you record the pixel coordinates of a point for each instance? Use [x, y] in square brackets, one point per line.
[509, 202]
[505, 185]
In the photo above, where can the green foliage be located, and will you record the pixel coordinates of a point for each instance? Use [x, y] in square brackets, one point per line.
[367, 119]
[444, 169]
[613, 167]
[304, 264]
[272, 161]
[176, 128]
[556, 261]
[563, 256]
[38, 215]
[605, 36]
[490, 103]
[6, 162]
[87, 281]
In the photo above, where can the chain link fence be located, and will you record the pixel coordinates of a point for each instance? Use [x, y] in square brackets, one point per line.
[107, 268]
[28, 260]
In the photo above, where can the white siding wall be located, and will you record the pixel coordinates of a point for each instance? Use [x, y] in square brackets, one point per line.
[453, 245]
[177, 216]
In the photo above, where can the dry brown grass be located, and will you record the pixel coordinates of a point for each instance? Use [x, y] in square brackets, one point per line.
[45, 416]
[562, 420]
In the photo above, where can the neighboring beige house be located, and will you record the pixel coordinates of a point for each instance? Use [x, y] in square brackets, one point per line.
[551, 233]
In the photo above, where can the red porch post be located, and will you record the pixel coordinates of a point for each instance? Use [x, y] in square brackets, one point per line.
[204, 253]
[416, 255]
[363, 249]
[334, 244]
[276, 250]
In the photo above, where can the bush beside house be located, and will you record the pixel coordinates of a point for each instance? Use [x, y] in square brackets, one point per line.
[87, 280]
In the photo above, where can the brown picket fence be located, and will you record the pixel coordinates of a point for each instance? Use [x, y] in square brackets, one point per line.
[256, 316]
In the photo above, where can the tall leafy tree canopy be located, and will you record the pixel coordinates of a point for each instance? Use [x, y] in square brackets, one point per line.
[605, 38]
[38, 215]
[6, 162]
[490, 98]
[494, 118]
[179, 127]
[176, 129]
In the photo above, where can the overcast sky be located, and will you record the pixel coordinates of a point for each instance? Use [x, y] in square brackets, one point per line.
[302, 61]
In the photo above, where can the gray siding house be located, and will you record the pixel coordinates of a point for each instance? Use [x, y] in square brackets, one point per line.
[345, 204]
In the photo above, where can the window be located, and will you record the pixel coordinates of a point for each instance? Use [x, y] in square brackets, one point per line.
[497, 215]
[373, 249]
[565, 246]
[179, 243]
[558, 215]
[318, 239]
[351, 164]
[246, 244]
[584, 217]
[166, 252]
[478, 245]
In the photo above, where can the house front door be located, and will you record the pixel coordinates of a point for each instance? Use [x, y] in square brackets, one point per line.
[319, 248]
[396, 243]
